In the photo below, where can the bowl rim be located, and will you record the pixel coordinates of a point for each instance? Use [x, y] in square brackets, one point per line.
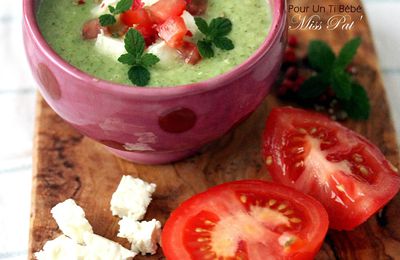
[278, 21]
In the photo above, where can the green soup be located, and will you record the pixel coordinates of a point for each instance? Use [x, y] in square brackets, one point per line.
[61, 21]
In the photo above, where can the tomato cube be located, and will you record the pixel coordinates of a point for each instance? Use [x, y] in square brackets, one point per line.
[172, 31]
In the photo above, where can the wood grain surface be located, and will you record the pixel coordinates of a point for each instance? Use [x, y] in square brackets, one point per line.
[68, 165]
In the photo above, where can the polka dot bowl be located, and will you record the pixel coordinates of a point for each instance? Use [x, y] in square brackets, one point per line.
[154, 125]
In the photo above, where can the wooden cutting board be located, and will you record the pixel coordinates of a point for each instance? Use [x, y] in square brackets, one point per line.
[68, 165]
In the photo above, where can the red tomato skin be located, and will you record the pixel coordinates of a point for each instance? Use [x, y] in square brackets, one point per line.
[164, 9]
[340, 218]
[172, 31]
[189, 53]
[172, 240]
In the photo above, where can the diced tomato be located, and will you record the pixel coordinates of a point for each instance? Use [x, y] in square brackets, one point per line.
[189, 53]
[139, 16]
[248, 219]
[164, 9]
[172, 31]
[320, 157]
[197, 7]
[140, 20]
[92, 28]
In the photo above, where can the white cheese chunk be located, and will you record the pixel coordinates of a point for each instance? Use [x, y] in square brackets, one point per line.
[143, 235]
[132, 198]
[99, 248]
[102, 8]
[61, 248]
[190, 23]
[168, 56]
[71, 220]
[110, 46]
[149, 2]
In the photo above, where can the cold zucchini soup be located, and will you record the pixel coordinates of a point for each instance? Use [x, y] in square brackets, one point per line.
[154, 43]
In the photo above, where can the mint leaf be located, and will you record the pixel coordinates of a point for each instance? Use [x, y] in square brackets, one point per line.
[202, 25]
[123, 6]
[320, 55]
[149, 60]
[139, 75]
[111, 9]
[313, 87]
[127, 58]
[107, 19]
[358, 107]
[347, 53]
[219, 27]
[223, 43]
[205, 49]
[341, 84]
[134, 43]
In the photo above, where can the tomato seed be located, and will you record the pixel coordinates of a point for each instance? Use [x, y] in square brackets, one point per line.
[288, 212]
[295, 220]
[363, 170]
[209, 223]
[282, 207]
[243, 198]
[357, 158]
[268, 161]
[271, 202]
[302, 131]
[340, 187]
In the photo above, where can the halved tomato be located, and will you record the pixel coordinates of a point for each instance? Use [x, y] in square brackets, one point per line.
[189, 53]
[172, 31]
[248, 219]
[320, 157]
[164, 9]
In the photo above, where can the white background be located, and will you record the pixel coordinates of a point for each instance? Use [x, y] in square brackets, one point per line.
[17, 98]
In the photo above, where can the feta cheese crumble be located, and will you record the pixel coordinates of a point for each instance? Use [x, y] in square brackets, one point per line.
[61, 248]
[168, 56]
[143, 235]
[109, 46]
[71, 220]
[132, 198]
[99, 247]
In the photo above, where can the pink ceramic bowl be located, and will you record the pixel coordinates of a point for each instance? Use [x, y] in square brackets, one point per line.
[154, 125]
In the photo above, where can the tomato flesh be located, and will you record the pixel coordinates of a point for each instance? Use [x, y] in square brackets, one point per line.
[337, 166]
[172, 31]
[164, 9]
[247, 219]
[189, 53]
[141, 21]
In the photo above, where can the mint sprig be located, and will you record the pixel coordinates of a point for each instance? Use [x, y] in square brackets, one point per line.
[215, 34]
[139, 61]
[109, 19]
[331, 72]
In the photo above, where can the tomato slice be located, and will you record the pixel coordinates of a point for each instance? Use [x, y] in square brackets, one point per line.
[320, 157]
[197, 7]
[172, 31]
[248, 219]
[164, 9]
[189, 53]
